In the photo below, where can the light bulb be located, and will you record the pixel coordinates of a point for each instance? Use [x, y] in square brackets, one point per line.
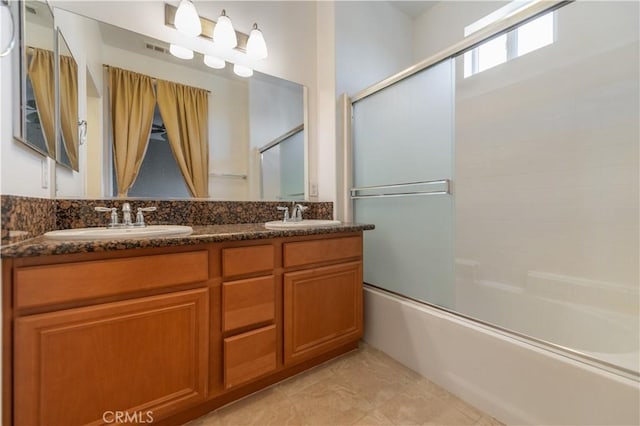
[223, 33]
[214, 62]
[242, 71]
[256, 46]
[180, 52]
[187, 20]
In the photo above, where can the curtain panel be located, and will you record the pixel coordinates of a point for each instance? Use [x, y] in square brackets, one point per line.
[132, 103]
[184, 111]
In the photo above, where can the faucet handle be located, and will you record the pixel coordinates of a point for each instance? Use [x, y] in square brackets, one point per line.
[140, 216]
[286, 212]
[114, 214]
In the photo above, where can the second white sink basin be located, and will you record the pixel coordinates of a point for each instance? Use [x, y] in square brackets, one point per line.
[119, 233]
[306, 223]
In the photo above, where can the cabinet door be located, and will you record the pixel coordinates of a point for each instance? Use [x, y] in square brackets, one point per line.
[322, 310]
[145, 357]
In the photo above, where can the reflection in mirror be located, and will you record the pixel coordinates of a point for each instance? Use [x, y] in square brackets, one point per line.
[283, 176]
[67, 106]
[244, 114]
[37, 128]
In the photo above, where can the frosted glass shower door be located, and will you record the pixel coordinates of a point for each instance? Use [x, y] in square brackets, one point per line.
[402, 166]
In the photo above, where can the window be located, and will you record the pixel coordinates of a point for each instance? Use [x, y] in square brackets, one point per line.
[526, 38]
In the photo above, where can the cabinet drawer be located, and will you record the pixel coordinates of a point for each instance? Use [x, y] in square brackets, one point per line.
[307, 252]
[51, 284]
[247, 260]
[249, 355]
[248, 302]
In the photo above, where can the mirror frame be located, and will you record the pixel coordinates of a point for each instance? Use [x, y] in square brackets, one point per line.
[19, 57]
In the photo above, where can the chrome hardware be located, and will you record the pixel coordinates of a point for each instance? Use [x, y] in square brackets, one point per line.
[140, 216]
[296, 215]
[126, 214]
[286, 213]
[431, 187]
[114, 215]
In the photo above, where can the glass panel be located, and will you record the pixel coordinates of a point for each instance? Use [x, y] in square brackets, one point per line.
[546, 190]
[292, 167]
[411, 250]
[403, 133]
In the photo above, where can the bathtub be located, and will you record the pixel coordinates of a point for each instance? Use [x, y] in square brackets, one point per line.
[512, 379]
[594, 333]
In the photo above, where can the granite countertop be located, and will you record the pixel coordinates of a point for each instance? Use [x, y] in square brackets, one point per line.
[41, 246]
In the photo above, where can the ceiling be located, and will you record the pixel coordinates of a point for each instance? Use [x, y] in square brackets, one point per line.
[413, 9]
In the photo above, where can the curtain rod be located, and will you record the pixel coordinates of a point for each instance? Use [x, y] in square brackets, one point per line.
[154, 79]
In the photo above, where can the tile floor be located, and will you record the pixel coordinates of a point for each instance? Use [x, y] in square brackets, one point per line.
[364, 387]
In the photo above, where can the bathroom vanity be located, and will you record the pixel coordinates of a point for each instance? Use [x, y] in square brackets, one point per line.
[169, 329]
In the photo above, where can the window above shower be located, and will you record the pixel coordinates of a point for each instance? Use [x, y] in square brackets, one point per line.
[531, 36]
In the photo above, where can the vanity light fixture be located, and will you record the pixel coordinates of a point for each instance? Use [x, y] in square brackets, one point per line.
[180, 52]
[256, 46]
[242, 71]
[187, 20]
[223, 33]
[230, 45]
[214, 62]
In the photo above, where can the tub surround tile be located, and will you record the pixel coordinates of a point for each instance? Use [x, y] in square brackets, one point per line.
[41, 246]
[26, 217]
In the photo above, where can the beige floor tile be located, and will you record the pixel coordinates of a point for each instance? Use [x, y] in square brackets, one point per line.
[374, 418]
[302, 381]
[268, 407]
[364, 387]
[412, 407]
[487, 420]
[330, 403]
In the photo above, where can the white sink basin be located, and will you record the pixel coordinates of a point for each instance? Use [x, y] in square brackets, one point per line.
[306, 223]
[118, 233]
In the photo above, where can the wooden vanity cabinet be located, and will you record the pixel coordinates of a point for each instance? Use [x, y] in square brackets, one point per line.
[322, 304]
[96, 337]
[172, 333]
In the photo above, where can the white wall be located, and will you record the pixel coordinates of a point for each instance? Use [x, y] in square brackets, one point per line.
[21, 167]
[373, 41]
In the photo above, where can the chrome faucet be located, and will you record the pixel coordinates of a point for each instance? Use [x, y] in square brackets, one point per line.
[126, 214]
[296, 213]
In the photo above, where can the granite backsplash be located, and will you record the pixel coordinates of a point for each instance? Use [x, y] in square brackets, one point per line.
[27, 217]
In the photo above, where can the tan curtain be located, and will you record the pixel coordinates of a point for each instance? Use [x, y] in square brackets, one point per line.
[41, 72]
[132, 103]
[69, 107]
[184, 111]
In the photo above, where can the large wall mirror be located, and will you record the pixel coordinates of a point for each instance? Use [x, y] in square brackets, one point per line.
[34, 88]
[246, 117]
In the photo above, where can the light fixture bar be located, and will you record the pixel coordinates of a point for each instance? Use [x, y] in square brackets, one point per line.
[207, 27]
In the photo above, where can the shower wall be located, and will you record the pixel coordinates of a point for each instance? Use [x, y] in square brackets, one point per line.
[547, 182]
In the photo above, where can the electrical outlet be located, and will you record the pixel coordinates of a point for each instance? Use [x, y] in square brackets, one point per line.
[313, 190]
[45, 174]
